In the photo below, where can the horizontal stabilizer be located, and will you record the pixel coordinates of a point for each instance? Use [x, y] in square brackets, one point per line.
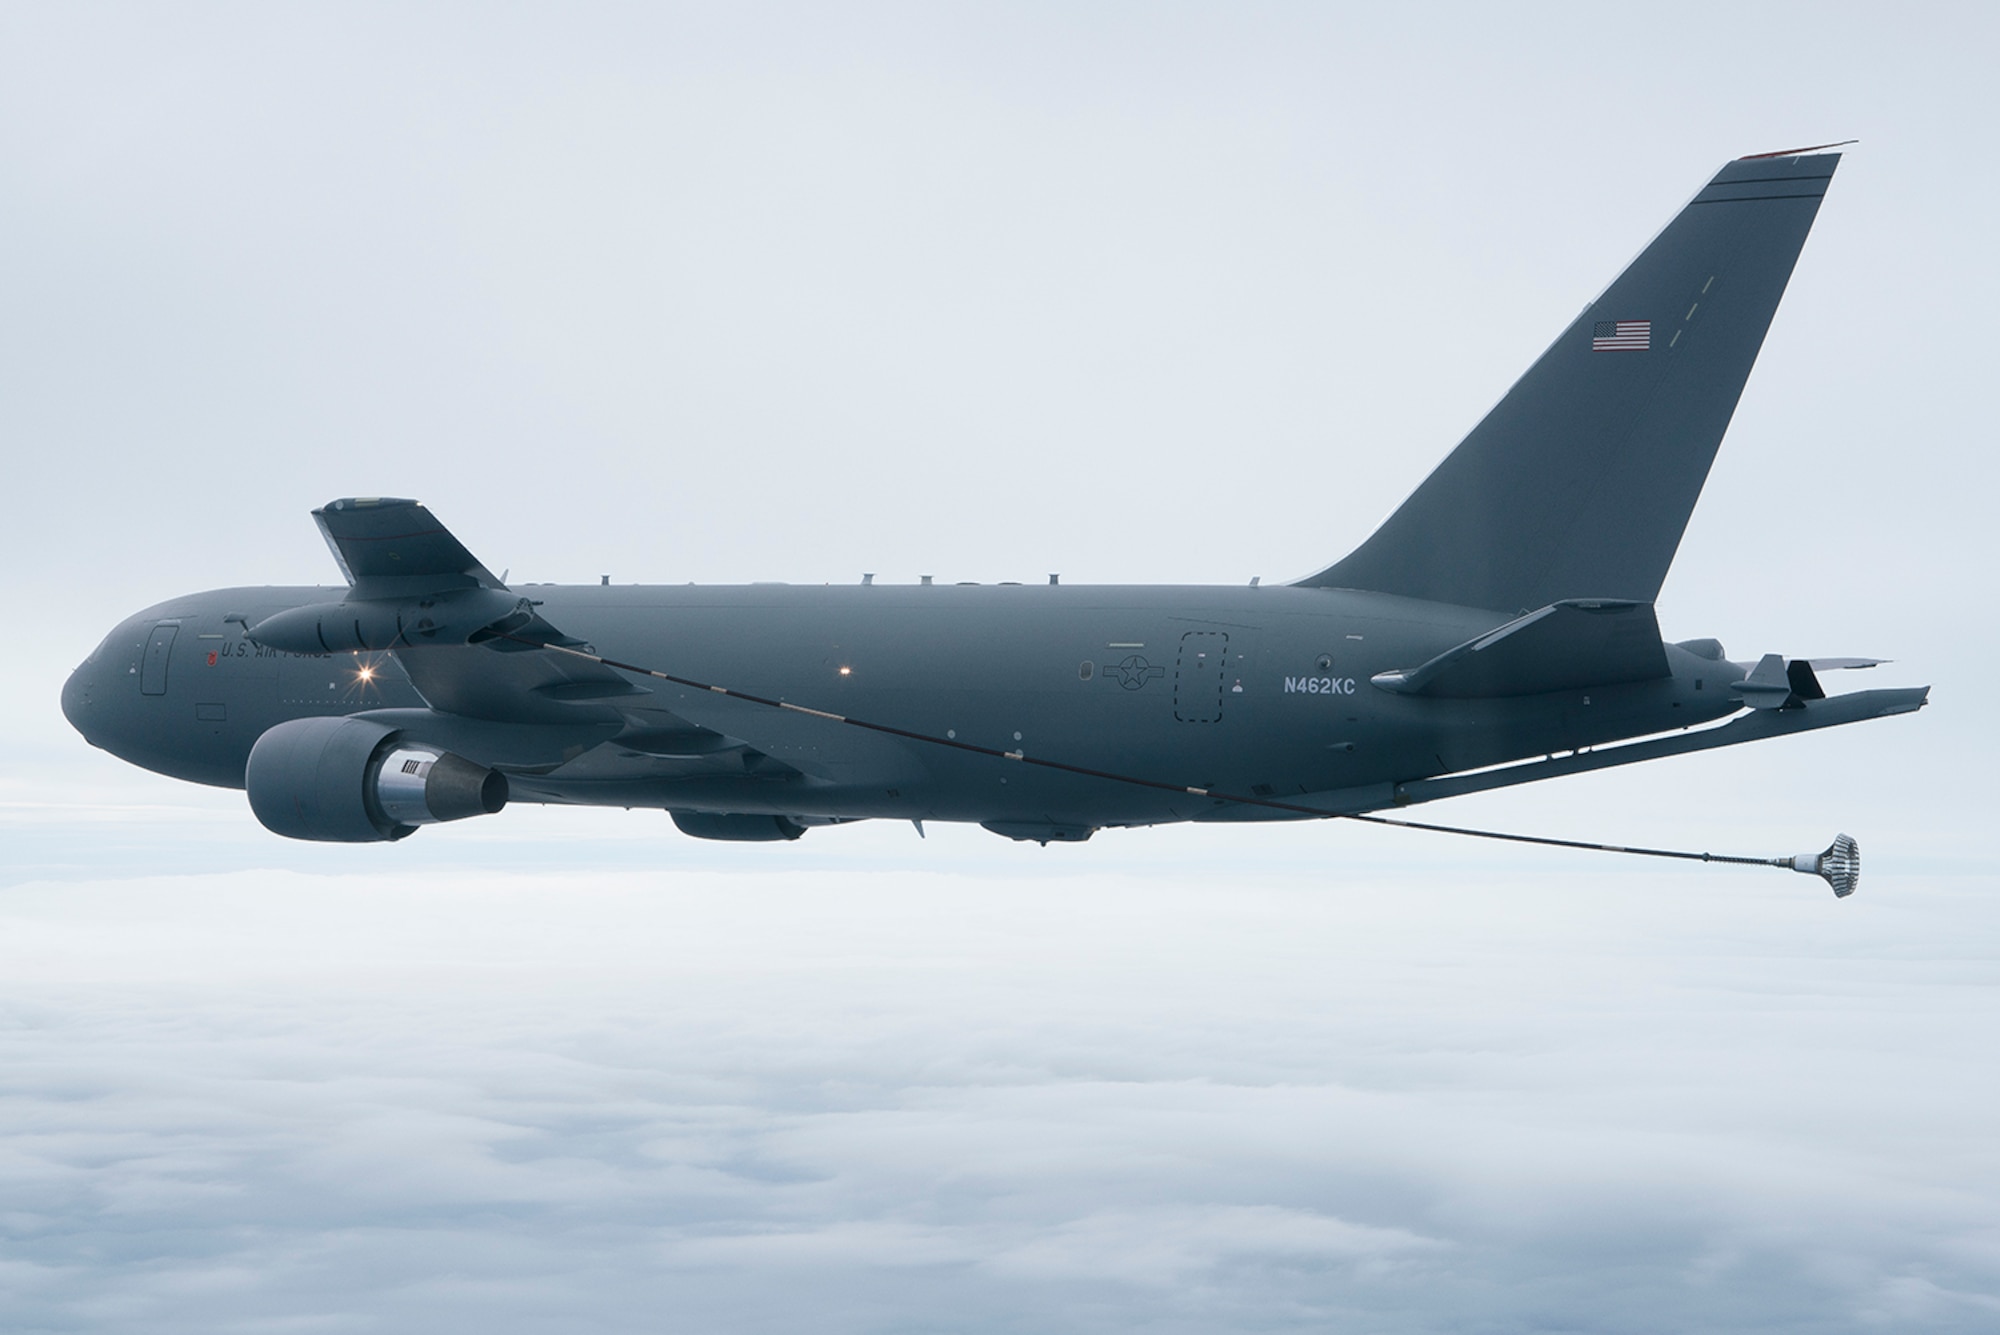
[1756, 726]
[1855, 707]
[393, 548]
[1566, 645]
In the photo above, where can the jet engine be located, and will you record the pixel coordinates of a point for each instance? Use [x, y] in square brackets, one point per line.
[350, 780]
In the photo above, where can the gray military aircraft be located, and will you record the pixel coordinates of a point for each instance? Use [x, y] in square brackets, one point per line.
[1497, 629]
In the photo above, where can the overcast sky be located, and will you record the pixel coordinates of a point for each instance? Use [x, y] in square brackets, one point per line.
[1135, 293]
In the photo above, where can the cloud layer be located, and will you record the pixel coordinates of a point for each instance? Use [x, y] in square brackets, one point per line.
[921, 1101]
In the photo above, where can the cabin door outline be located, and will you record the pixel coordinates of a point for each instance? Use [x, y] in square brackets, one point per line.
[1198, 676]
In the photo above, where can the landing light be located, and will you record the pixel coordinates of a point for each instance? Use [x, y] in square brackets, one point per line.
[846, 672]
[365, 674]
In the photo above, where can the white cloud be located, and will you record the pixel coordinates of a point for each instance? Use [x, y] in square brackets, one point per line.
[863, 1101]
[1177, 1245]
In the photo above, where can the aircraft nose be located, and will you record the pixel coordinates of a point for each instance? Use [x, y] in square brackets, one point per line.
[76, 700]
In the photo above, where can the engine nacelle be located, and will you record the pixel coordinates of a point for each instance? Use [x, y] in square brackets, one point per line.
[353, 781]
[737, 828]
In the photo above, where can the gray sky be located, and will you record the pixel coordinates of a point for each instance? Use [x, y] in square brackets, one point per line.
[1134, 293]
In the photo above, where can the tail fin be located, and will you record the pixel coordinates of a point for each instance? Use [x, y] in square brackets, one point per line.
[1580, 482]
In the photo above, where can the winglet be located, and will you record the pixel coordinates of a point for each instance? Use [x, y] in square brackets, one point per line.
[1795, 152]
[390, 547]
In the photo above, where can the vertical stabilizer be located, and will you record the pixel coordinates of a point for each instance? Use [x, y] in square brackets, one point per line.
[1580, 482]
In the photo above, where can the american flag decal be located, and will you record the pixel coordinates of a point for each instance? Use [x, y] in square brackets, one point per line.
[1622, 336]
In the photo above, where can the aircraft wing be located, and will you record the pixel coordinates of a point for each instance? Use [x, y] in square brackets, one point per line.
[396, 554]
[405, 572]
[389, 547]
[470, 647]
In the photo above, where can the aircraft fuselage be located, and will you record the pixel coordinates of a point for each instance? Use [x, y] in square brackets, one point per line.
[1263, 691]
